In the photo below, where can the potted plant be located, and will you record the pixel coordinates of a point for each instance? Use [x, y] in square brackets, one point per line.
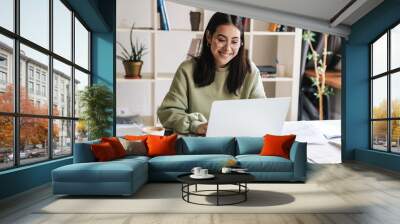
[132, 60]
[96, 102]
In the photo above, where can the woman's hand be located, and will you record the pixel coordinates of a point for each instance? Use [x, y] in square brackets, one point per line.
[202, 129]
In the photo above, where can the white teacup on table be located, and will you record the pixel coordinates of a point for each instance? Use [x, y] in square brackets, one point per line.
[196, 170]
[204, 172]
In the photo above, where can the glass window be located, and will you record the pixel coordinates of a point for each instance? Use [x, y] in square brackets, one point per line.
[7, 74]
[385, 125]
[395, 136]
[395, 47]
[81, 131]
[379, 98]
[40, 62]
[30, 87]
[7, 14]
[34, 21]
[379, 56]
[62, 29]
[33, 140]
[81, 45]
[379, 133]
[395, 95]
[62, 74]
[81, 81]
[62, 137]
[6, 142]
[34, 79]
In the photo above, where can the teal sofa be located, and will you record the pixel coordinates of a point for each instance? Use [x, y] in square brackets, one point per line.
[125, 176]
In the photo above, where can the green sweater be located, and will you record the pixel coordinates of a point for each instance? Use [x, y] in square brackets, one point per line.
[186, 106]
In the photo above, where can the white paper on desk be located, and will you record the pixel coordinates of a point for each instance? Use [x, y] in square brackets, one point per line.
[304, 132]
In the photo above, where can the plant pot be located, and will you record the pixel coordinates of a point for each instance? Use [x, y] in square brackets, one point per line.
[195, 20]
[133, 69]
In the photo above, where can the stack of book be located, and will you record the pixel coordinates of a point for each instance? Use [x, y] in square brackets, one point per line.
[195, 48]
[267, 71]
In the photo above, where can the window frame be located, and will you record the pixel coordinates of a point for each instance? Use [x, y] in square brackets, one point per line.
[16, 114]
[388, 74]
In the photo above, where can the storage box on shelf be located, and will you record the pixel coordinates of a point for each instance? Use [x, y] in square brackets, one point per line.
[167, 49]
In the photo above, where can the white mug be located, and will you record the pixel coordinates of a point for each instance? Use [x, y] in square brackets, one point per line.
[226, 170]
[203, 172]
[196, 170]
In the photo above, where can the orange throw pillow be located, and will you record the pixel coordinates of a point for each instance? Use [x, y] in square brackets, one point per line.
[103, 151]
[136, 137]
[277, 145]
[161, 145]
[116, 145]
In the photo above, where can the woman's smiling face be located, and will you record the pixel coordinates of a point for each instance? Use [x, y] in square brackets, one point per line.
[224, 44]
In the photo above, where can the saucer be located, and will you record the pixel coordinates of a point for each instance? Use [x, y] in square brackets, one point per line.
[208, 176]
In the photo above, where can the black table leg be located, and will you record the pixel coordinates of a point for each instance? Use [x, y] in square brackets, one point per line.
[217, 194]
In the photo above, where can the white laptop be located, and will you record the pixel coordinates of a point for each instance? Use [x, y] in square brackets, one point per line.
[249, 117]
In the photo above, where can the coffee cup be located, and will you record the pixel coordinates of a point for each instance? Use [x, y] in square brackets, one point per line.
[203, 172]
[196, 171]
[226, 170]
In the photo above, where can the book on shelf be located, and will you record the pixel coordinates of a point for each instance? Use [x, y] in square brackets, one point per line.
[274, 27]
[194, 48]
[246, 24]
[164, 22]
[268, 69]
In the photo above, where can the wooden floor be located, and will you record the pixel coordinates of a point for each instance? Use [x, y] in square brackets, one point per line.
[378, 188]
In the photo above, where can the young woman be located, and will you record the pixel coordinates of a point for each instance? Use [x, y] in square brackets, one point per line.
[221, 72]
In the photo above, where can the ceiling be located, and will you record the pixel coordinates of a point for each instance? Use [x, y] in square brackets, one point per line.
[330, 16]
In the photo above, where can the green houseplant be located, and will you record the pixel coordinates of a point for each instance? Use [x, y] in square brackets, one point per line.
[96, 102]
[132, 60]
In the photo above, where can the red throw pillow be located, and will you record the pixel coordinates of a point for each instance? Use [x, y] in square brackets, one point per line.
[277, 145]
[103, 151]
[161, 145]
[116, 145]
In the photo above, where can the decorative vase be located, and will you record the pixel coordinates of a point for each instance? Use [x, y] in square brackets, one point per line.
[195, 20]
[132, 69]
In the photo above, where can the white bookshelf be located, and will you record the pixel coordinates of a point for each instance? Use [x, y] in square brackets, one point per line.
[167, 49]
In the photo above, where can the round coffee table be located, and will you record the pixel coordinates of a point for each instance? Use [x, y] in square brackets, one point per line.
[238, 179]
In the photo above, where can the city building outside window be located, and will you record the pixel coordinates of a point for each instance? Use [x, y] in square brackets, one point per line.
[56, 128]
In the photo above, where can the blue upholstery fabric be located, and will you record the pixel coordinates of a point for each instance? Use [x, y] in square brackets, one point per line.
[126, 175]
[207, 145]
[119, 177]
[298, 155]
[83, 152]
[184, 163]
[249, 145]
[257, 163]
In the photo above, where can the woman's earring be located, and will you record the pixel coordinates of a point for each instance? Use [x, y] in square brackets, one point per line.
[208, 44]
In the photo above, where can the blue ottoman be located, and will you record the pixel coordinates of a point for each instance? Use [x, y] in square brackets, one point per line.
[118, 177]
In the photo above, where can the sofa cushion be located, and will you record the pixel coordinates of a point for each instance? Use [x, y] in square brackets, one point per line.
[185, 163]
[83, 152]
[257, 163]
[103, 152]
[277, 145]
[116, 145]
[134, 147]
[112, 171]
[206, 145]
[249, 145]
[161, 145]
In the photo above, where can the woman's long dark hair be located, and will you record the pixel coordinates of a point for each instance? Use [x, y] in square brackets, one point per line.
[239, 66]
